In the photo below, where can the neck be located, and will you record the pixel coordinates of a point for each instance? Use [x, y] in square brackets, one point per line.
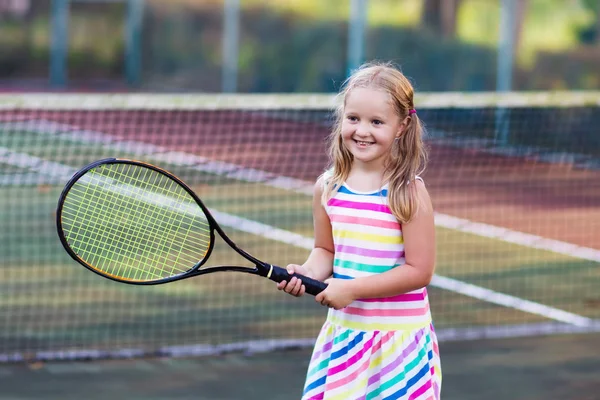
[372, 170]
[366, 176]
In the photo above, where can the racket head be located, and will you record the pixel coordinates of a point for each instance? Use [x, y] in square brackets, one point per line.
[133, 222]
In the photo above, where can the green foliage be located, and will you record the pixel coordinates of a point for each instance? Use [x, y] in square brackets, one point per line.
[434, 64]
[301, 45]
[279, 53]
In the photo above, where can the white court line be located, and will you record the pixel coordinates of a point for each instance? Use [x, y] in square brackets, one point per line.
[202, 164]
[516, 237]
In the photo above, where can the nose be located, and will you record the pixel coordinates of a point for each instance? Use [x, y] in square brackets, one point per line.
[362, 129]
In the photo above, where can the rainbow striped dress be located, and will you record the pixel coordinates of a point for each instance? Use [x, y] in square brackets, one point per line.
[376, 348]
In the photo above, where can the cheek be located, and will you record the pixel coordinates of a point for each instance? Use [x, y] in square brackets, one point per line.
[386, 136]
[347, 131]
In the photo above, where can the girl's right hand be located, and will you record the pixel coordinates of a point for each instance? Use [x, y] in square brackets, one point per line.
[294, 286]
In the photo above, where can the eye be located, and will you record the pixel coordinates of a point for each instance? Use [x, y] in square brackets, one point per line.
[377, 122]
[351, 118]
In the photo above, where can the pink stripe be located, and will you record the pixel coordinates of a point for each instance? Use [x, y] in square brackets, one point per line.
[318, 396]
[400, 298]
[352, 360]
[349, 219]
[426, 386]
[410, 312]
[359, 206]
[368, 252]
[363, 367]
[349, 378]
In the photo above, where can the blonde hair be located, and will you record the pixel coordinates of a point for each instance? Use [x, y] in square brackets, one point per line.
[408, 156]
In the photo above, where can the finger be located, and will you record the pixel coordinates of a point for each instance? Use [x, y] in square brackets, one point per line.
[290, 269]
[281, 285]
[302, 290]
[291, 285]
[297, 287]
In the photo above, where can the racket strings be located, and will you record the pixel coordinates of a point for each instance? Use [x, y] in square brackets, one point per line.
[136, 235]
[97, 239]
[153, 225]
[135, 223]
[170, 217]
[103, 238]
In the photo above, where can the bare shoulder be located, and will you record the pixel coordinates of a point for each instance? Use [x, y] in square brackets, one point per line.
[318, 188]
[423, 197]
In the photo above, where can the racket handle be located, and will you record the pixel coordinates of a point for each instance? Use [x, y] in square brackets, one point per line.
[312, 286]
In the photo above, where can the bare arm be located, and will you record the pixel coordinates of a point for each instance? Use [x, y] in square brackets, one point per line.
[319, 264]
[320, 261]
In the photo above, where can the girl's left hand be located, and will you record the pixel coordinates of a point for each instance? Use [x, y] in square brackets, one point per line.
[337, 295]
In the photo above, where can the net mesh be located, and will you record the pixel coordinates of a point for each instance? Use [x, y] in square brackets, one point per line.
[515, 181]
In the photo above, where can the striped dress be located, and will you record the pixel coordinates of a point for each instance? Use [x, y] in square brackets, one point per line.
[382, 348]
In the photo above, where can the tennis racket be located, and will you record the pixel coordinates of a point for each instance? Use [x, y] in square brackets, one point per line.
[136, 223]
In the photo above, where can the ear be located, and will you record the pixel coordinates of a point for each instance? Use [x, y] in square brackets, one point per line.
[402, 127]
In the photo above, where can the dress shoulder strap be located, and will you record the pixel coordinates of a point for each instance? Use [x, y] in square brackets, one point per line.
[417, 178]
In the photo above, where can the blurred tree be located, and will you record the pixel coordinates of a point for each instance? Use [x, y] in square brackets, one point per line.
[597, 24]
[591, 34]
[440, 15]
[520, 13]
[299, 45]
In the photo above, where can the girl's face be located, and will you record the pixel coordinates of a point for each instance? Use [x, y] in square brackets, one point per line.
[370, 125]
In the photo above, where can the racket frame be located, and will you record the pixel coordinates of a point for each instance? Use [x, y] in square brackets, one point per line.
[260, 268]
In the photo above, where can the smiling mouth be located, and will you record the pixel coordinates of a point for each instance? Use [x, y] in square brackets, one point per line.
[363, 143]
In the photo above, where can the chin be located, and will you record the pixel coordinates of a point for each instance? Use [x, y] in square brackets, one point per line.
[364, 159]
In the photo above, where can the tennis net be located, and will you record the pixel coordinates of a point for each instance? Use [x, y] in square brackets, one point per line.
[515, 180]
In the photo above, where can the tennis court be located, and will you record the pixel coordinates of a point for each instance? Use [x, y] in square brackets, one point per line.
[236, 98]
[259, 184]
[510, 262]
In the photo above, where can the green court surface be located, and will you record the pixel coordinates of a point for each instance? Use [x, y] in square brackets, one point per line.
[541, 368]
[51, 303]
[55, 301]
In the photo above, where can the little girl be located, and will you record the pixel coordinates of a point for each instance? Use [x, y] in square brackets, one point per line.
[375, 247]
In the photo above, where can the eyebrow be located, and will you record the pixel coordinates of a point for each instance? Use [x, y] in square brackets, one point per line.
[376, 116]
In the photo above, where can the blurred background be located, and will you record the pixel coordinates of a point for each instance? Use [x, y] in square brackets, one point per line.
[294, 45]
[236, 98]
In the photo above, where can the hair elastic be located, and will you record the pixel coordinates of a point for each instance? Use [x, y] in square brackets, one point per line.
[412, 111]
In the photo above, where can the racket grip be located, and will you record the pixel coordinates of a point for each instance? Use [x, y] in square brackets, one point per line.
[312, 286]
